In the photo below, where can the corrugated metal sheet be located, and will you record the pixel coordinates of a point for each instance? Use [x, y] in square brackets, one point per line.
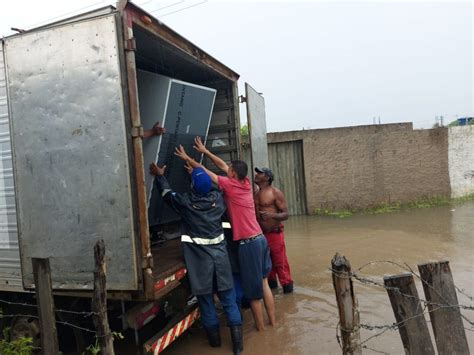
[10, 269]
[286, 161]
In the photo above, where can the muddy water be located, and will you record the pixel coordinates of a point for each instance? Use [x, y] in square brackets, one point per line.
[307, 318]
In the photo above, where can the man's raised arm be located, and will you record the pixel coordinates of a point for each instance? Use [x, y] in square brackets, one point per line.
[201, 148]
[181, 153]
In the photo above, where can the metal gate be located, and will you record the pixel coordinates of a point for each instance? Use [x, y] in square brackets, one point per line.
[286, 161]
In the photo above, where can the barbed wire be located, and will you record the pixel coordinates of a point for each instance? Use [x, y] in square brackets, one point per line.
[84, 313]
[407, 267]
[365, 280]
[385, 328]
[65, 323]
[375, 350]
[428, 306]
[425, 302]
[463, 292]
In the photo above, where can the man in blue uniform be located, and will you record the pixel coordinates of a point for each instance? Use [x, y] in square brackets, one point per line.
[205, 251]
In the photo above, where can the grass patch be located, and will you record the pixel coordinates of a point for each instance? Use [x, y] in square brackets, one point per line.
[394, 207]
[337, 214]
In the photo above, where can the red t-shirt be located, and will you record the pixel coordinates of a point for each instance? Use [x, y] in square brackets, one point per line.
[238, 197]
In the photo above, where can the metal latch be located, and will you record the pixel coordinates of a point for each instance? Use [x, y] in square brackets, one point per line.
[130, 44]
[242, 99]
[137, 131]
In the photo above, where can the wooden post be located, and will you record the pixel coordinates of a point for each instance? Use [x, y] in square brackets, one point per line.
[446, 321]
[408, 311]
[346, 304]
[99, 301]
[45, 300]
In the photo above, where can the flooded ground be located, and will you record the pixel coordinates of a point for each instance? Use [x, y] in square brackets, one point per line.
[307, 318]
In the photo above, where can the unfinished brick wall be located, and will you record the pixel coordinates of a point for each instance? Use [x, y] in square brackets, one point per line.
[357, 167]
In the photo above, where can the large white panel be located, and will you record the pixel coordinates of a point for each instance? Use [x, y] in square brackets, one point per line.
[153, 93]
[185, 110]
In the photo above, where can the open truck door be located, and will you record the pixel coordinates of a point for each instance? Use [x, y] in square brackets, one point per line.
[257, 128]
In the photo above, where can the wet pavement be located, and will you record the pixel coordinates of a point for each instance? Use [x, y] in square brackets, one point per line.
[307, 319]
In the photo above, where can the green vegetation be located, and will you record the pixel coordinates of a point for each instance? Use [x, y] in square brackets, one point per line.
[94, 349]
[330, 213]
[394, 207]
[21, 346]
[244, 131]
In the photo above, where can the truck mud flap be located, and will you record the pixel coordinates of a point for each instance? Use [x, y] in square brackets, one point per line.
[178, 325]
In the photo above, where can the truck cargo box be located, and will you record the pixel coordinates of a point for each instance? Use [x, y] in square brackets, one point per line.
[70, 105]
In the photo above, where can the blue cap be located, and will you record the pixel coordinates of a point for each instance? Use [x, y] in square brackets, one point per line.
[201, 181]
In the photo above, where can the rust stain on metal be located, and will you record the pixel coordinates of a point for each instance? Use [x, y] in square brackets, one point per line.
[137, 147]
[146, 20]
[445, 266]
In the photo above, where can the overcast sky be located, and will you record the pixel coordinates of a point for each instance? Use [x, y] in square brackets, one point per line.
[319, 63]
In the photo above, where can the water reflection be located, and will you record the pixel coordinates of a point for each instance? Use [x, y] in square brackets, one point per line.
[308, 318]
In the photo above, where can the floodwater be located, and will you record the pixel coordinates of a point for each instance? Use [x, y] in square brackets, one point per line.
[307, 319]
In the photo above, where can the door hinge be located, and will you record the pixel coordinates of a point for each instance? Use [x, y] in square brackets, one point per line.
[137, 131]
[242, 99]
[130, 44]
[147, 262]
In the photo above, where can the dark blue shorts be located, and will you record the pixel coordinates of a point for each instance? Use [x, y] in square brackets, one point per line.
[255, 265]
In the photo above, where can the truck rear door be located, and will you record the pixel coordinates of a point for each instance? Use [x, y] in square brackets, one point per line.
[257, 128]
[71, 152]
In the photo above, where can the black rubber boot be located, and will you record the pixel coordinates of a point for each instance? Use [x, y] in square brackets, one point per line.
[288, 288]
[214, 337]
[272, 283]
[237, 340]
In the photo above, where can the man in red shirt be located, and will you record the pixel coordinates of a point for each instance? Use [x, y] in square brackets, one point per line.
[253, 251]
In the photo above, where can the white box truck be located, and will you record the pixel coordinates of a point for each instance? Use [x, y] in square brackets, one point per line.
[73, 170]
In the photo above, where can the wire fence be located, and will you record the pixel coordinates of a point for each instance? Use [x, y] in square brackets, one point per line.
[428, 306]
[84, 314]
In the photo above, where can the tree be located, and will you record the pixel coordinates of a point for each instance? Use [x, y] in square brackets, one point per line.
[244, 131]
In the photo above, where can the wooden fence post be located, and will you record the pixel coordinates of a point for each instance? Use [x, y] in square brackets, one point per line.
[445, 315]
[409, 312]
[45, 300]
[99, 301]
[346, 304]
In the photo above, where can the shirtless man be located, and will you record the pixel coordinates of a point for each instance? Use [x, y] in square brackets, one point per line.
[271, 209]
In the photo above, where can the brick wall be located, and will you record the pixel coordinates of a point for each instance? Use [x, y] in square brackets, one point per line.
[367, 165]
